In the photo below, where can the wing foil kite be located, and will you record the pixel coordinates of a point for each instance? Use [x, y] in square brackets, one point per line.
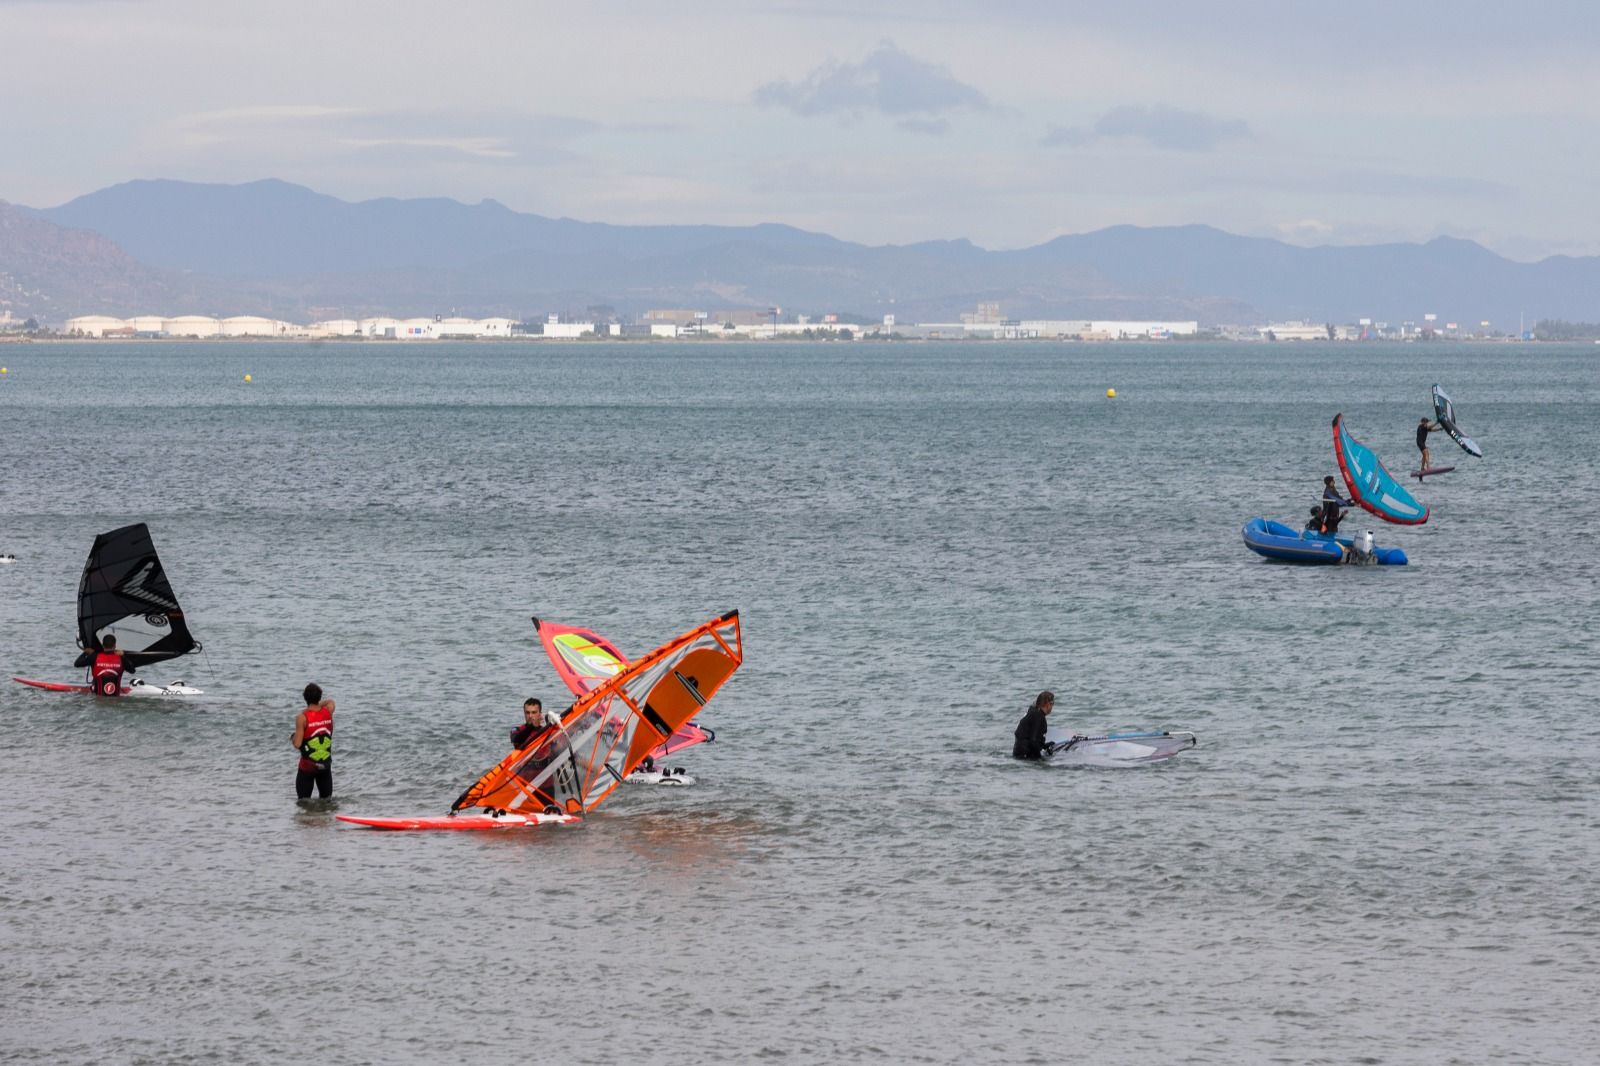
[1370, 484]
[1444, 412]
[571, 766]
[586, 660]
[125, 592]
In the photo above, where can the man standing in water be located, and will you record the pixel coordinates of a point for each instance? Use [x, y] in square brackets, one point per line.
[1031, 730]
[1425, 427]
[313, 738]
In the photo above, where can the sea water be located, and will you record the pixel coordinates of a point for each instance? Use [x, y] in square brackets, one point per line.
[1383, 850]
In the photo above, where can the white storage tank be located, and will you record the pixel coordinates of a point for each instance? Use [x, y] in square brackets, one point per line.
[194, 326]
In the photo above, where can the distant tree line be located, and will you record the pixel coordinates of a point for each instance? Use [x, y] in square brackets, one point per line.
[1554, 329]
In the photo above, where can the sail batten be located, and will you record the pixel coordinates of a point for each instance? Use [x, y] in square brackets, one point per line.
[124, 592]
[1370, 483]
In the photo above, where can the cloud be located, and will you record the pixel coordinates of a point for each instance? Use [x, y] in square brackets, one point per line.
[888, 81]
[1161, 126]
[479, 135]
[937, 127]
[1304, 229]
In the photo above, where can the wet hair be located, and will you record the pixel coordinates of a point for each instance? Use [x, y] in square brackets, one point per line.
[532, 701]
[1421, 420]
[1328, 480]
[313, 693]
[1045, 697]
[109, 643]
[1316, 510]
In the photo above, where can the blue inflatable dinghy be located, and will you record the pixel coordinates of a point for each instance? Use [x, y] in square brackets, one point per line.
[1277, 541]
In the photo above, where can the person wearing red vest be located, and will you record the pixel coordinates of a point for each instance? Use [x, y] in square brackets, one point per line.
[106, 671]
[313, 738]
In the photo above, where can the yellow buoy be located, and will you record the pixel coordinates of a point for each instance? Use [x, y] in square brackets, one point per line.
[1111, 394]
[247, 377]
[3, 370]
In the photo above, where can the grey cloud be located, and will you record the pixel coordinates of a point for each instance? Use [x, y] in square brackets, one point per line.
[1161, 126]
[936, 127]
[888, 81]
[486, 136]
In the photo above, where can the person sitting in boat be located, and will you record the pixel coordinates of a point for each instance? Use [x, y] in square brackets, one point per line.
[1031, 730]
[1425, 427]
[105, 672]
[532, 723]
[1332, 504]
[1314, 523]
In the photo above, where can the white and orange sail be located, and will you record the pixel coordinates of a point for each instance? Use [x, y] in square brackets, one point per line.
[585, 660]
[571, 766]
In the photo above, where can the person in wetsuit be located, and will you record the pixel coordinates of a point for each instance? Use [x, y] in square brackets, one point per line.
[313, 738]
[1332, 503]
[1314, 523]
[1031, 730]
[1424, 427]
[105, 672]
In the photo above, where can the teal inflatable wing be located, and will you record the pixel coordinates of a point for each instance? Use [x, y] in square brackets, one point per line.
[1372, 486]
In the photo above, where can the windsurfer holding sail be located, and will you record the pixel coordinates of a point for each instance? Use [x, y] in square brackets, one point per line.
[1424, 427]
[106, 671]
[1031, 730]
[313, 738]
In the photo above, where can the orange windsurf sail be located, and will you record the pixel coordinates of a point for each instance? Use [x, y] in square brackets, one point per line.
[571, 766]
[585, 660]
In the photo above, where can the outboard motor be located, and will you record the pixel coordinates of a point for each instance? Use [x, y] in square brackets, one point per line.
[1364, 543]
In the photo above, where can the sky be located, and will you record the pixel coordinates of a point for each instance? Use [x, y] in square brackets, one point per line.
[1004, 123]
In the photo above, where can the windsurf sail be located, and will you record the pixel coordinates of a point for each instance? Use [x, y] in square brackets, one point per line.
[570, 767]
[1444, 412]
[585, 660]
[1370, 483]
[124, 591]
[1120, 748]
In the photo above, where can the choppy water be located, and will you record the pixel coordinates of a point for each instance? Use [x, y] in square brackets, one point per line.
[1384, 850]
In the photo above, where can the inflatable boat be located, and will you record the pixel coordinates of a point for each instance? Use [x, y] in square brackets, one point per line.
[1278, 541]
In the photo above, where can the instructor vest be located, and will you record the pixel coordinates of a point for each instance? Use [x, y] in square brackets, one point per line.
[107, 673]
[316, 745]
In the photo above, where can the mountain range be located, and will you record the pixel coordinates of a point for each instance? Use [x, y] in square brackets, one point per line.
[271, 247]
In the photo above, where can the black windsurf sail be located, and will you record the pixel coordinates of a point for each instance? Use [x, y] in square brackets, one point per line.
[125, 592]
[1444, 412]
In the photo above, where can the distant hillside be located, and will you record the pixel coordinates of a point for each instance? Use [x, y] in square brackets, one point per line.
[50, 272]
[273, 247]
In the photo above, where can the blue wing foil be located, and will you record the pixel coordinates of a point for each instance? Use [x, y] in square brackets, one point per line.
[1370, 484]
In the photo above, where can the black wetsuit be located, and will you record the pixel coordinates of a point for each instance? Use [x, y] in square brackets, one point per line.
[524, 733]
[1030, 735]
[1331, 502]
[1422, 436]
